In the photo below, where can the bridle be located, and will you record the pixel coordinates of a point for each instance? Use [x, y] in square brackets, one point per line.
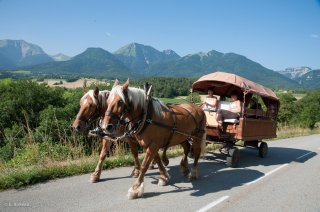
[93, 117]
[121, 120]
[130, 125]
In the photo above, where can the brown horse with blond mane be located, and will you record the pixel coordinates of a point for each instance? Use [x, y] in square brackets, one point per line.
[93, 105]
[155, 126]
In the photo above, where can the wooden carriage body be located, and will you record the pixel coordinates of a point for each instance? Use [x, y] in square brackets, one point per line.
[253, 125]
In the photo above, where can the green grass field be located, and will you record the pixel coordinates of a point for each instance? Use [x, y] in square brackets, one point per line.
[21, 72]
[173, 101]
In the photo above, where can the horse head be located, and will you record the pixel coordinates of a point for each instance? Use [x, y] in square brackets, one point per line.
[90, 109]
[124, 106]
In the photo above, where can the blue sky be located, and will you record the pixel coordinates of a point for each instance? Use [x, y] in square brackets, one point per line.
[275, 33]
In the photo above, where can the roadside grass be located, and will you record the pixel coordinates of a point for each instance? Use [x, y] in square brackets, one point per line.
[34, 164]
[289, 132]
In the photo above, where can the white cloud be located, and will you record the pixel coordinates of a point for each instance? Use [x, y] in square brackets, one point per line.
[314, 36]
[108, 34]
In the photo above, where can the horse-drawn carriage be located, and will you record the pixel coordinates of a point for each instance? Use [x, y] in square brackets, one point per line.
[132, 115]
[255, 122]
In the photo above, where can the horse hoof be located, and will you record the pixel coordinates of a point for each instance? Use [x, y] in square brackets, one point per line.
[163, 181]
[193, 174]
[135, 193]
[185, 172]
[94, 178]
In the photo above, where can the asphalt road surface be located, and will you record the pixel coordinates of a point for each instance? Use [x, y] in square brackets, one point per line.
[287, 180]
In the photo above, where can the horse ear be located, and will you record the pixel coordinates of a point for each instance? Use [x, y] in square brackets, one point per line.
[96, 91]
[85, 90]
[125, 85]
[116, 82]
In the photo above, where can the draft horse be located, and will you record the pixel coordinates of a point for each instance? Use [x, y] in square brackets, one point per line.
[155, 125]
[93, 105]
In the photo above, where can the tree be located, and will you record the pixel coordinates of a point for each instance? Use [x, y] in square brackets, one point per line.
[308, 113]
[287, 108]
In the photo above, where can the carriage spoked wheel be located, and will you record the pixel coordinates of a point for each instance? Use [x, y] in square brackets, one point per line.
[233, 157]
[263, 149]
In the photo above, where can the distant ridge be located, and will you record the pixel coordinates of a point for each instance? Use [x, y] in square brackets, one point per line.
[60, 57]
[93, 61]
[305, 76]
[17, 53]
[138, 61]
[140, 57]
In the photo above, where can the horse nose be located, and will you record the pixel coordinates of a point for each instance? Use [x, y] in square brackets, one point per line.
[109, 127]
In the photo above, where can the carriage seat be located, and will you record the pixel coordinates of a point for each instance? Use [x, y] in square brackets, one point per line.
[211, 118]
[232, 121]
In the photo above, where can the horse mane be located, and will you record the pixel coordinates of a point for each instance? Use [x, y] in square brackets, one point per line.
[138, 98]
[103, 95]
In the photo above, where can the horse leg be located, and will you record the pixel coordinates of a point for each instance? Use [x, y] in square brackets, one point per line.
[164, 176]
[184, 161]
[95, 176]
[134, 150]
[164, 157]
[196, 152]
[152, 164]
[199, 147]
[137, 188]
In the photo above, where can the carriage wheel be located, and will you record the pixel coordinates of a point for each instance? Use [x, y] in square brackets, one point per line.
[233, 157]
[263, 149]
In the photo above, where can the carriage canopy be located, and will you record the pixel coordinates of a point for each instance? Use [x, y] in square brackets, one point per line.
[224, 83]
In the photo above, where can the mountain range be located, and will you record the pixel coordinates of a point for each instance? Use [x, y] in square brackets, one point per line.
[136, 61]
[305, 76]
[18, 53]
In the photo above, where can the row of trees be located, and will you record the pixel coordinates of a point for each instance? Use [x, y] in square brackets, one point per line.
[30, 111]
[164, 87]
[304, 112]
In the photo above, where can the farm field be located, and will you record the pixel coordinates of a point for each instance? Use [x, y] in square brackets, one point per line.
[72, 85]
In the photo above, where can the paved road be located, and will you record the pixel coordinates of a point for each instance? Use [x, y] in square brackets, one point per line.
[287, 180]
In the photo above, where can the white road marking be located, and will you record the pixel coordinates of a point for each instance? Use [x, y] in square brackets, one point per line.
[212, 204]
[267, 174]
[302, 156]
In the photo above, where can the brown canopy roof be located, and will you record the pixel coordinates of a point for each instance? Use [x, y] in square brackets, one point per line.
[223, 83]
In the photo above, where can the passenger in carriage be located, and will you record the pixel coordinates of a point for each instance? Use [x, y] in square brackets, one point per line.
[233, 112]
[254, 104]
[211, 102]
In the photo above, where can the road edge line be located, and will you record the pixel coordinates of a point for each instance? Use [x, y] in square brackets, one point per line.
[212, 204]
[304, 155]
[267, 174]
